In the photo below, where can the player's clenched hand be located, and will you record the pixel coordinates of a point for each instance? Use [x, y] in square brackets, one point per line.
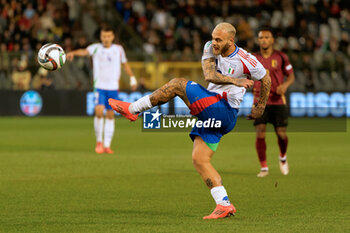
[70, 56]
[281, 89]
[257, 112]
[243, 82]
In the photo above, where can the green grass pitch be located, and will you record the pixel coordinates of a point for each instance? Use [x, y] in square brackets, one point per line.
[52, 181]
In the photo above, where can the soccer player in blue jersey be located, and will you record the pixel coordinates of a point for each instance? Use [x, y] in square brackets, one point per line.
[226, 67]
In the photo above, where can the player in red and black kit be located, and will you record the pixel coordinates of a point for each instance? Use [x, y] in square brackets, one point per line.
[276, 111]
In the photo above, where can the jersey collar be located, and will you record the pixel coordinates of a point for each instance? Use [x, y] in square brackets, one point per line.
[234, 52]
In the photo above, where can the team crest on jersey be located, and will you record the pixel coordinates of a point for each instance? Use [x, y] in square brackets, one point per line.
[274, 63]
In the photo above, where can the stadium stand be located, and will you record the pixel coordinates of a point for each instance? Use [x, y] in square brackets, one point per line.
[314, 33]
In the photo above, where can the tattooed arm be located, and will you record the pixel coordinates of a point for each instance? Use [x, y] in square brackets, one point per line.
[259, 108]
[211, 75]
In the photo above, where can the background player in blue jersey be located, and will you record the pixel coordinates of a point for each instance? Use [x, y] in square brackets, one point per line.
[107, 59]
[226, 68]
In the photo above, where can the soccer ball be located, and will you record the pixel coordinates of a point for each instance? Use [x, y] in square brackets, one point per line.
[51, 56]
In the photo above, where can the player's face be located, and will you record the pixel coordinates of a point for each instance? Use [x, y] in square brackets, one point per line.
[265, 39]
[221, 42]
[107, 38]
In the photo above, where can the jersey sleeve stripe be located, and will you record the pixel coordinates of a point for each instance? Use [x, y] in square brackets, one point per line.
[247, 58]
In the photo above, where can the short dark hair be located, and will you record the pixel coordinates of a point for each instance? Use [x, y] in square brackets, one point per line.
[107, 28]
[267, 28]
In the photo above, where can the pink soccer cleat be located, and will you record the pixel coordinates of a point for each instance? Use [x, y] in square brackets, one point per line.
[221, 212]
[122, 108]
[99, 148]
[108, 150]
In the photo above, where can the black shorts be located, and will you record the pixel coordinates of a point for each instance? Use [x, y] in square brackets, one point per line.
[274, 114]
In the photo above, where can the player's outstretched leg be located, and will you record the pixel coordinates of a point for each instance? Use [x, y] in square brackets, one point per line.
[282, 143]
[260, 146]
[201, 156]
[176, 87]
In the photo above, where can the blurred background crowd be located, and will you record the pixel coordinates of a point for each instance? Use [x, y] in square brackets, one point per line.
[314, 33]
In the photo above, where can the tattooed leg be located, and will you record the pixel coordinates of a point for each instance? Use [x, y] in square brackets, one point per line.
[209, 183]
[176, 87]
[201, 156]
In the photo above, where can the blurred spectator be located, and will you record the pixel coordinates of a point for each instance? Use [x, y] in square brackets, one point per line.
[4, 58]
[42, 81]
[187, 54]
[4, 67]
[29, 11]
[21, 77]
[142, 87]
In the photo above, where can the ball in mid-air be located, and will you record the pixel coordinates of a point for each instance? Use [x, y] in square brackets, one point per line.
[51, 56]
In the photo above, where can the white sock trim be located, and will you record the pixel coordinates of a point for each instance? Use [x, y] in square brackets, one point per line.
[98, 126]
[108, 132]
[140, 105]
[284, 158]
[219, 195]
